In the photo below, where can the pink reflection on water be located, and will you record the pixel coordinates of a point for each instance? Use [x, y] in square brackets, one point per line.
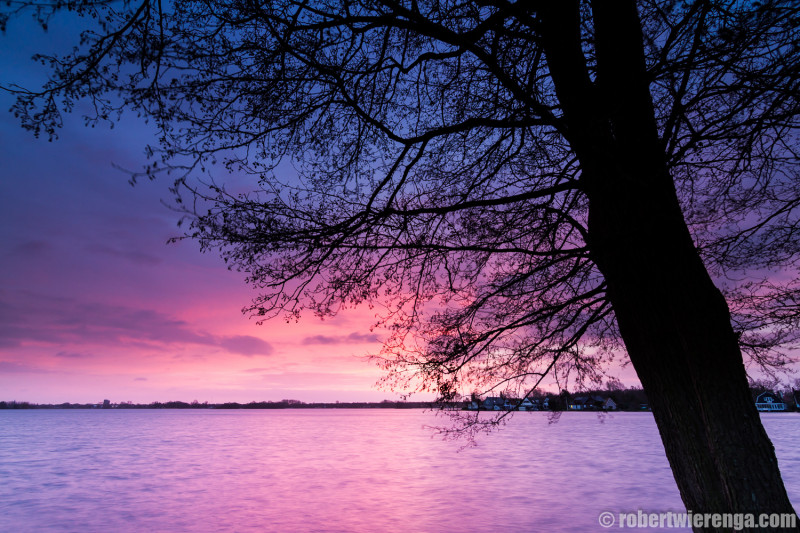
[329, 470]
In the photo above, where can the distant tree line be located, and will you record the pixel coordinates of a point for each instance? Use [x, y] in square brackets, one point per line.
[283, 404]
[626, 399]
[631, 399]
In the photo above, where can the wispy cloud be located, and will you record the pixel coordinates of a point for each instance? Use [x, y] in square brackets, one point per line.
[32, 248]
[73, 355]
[353, 338]
[17, 368]
[27, 317]
[245, 345]
[134, 256]
[312, 380]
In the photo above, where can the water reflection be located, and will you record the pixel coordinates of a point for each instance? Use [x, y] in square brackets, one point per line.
[332, 470]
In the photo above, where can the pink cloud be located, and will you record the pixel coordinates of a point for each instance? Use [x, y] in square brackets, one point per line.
[245, 345]
[32, 318]
[18, 368]
[353, 338]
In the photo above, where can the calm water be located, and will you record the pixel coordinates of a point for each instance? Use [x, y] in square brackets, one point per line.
[333, 470]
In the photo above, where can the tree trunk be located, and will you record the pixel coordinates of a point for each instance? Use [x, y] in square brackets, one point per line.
[675, 323]
[676, 328]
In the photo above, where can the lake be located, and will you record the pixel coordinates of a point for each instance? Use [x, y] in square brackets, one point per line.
[348, 470]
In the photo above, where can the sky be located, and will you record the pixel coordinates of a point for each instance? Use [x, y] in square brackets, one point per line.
[95, 304]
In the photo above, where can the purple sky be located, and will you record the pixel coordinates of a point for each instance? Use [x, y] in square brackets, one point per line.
[94, 304]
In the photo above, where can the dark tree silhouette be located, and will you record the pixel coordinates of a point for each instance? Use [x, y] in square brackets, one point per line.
[527, 187]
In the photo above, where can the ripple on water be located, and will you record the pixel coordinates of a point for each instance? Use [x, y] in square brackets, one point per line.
[333, 470]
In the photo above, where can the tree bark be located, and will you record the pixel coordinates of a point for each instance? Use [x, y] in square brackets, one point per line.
[675, 323]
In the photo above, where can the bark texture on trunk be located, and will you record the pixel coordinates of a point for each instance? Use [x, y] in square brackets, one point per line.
[675, 323]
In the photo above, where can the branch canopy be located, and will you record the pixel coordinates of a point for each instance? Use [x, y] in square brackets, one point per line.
[421, 155]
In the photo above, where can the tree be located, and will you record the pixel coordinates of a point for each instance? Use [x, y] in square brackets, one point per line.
[529, 188]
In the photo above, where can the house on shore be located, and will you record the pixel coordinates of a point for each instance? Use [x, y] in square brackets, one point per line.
[491, 403]
[580, 403]
[498, 403]
[494, 403]
[528, 404]
[585, 403]
[592, 403]
[769, 401]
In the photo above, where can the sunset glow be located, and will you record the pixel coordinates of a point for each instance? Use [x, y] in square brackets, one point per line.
[94, 304]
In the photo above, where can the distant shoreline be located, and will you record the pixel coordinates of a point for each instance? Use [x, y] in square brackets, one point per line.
[4, 406]
[628, 400]
[284, 404]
